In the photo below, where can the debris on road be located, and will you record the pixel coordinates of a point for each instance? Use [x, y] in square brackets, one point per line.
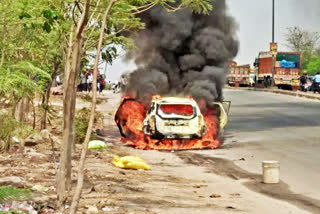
[215, 196]
[17, 207]
[199, 186]
[231, 207]
[130, 162]
[40, 188]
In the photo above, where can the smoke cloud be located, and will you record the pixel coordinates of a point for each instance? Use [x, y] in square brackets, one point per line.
[183, 54]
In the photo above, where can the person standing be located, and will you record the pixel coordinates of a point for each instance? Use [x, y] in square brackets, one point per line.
[99, 84]
[316, 82]
[103, 84]
[90, 79]
[83, 77]
[303, 80]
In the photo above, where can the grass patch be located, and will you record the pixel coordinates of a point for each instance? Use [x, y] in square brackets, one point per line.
[10, 193]
[88, 98]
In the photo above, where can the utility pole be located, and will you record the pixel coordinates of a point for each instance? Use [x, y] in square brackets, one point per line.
[272, 82]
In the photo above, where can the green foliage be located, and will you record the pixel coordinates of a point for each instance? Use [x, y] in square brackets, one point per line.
[7, 126]
[22, 79]
[15, 85]
[81, 123]
[198, 6]
[9, 193]
[313, 66]
[15, 211]
[10, 127]
[109, 54]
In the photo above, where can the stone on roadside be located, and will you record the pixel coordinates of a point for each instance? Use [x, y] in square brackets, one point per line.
[45, 134]
[92, 210]
[40, 188]
[33, 140]
[12, 181]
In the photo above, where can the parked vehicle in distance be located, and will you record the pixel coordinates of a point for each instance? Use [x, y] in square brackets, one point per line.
[174, 118]
[240, 75]
[287, 69]
[308, 84]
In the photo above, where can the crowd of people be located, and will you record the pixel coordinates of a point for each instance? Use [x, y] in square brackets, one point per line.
[86, 80]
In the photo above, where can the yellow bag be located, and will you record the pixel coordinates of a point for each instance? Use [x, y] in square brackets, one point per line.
[130, 162]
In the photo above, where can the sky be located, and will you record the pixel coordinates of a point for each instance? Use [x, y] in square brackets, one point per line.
[254, 19]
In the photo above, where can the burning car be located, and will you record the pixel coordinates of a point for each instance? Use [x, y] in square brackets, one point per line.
[174, 118]
[171, 123]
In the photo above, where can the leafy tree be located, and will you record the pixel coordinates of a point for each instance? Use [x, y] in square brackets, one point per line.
[303, 41]
[313, 66]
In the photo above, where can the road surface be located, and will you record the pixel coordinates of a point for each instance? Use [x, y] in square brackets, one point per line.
[263, 126]
[267, 126]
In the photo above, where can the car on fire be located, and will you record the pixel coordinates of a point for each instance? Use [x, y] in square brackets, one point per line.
[174, 118]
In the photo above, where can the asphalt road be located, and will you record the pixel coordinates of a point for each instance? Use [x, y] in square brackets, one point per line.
[266, 126]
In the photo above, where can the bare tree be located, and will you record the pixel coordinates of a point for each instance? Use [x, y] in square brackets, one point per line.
[303, 41]
[72, 67]
[77, 194]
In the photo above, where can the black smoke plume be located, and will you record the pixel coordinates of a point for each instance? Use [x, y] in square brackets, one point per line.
[182, 53]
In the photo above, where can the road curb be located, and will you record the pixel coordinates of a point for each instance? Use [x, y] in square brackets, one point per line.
[279, 91]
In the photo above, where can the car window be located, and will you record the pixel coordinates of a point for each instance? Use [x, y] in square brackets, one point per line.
[178, 109]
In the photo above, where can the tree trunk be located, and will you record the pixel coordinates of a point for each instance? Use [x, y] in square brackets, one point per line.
[77, 194]
[23, 109]
[47, 95]
[69, 97]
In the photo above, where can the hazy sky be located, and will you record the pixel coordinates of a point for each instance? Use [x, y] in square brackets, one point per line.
[254, 27]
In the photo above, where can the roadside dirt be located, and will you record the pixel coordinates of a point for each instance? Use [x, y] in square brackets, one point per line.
[178, 182]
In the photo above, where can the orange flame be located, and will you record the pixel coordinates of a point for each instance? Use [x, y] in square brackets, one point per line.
[131, 114]
[156, 97]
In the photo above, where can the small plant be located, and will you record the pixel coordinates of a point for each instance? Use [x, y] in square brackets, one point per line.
[9, 128]
[81, 123]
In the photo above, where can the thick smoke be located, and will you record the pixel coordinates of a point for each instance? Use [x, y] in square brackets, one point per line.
[183, 54]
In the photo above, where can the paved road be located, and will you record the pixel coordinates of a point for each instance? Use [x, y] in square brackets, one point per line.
[266, 126]
[263, 126]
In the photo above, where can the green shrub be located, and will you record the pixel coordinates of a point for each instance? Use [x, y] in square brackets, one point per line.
[81, 123]
[9, 128]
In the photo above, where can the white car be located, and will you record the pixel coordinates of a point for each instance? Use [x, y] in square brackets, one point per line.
[174, 118]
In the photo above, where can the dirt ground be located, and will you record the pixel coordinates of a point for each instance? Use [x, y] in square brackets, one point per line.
[178, 182]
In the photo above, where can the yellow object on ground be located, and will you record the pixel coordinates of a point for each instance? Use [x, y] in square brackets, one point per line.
[130, 162]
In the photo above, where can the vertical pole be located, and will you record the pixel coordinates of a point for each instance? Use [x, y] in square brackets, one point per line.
[272, 21]
[272, 82]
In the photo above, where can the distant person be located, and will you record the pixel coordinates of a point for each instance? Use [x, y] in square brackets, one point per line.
[316, 78]
[58, 80]
[83, 81]
[103, 84]
[316, 82]
[99, 84]
[303, 80]
[90, 79]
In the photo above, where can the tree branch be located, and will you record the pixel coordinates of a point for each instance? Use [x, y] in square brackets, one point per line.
[145, 9]
[84, 19]
[78, 6]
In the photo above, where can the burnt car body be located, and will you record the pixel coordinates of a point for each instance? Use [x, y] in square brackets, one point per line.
[174, 118]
